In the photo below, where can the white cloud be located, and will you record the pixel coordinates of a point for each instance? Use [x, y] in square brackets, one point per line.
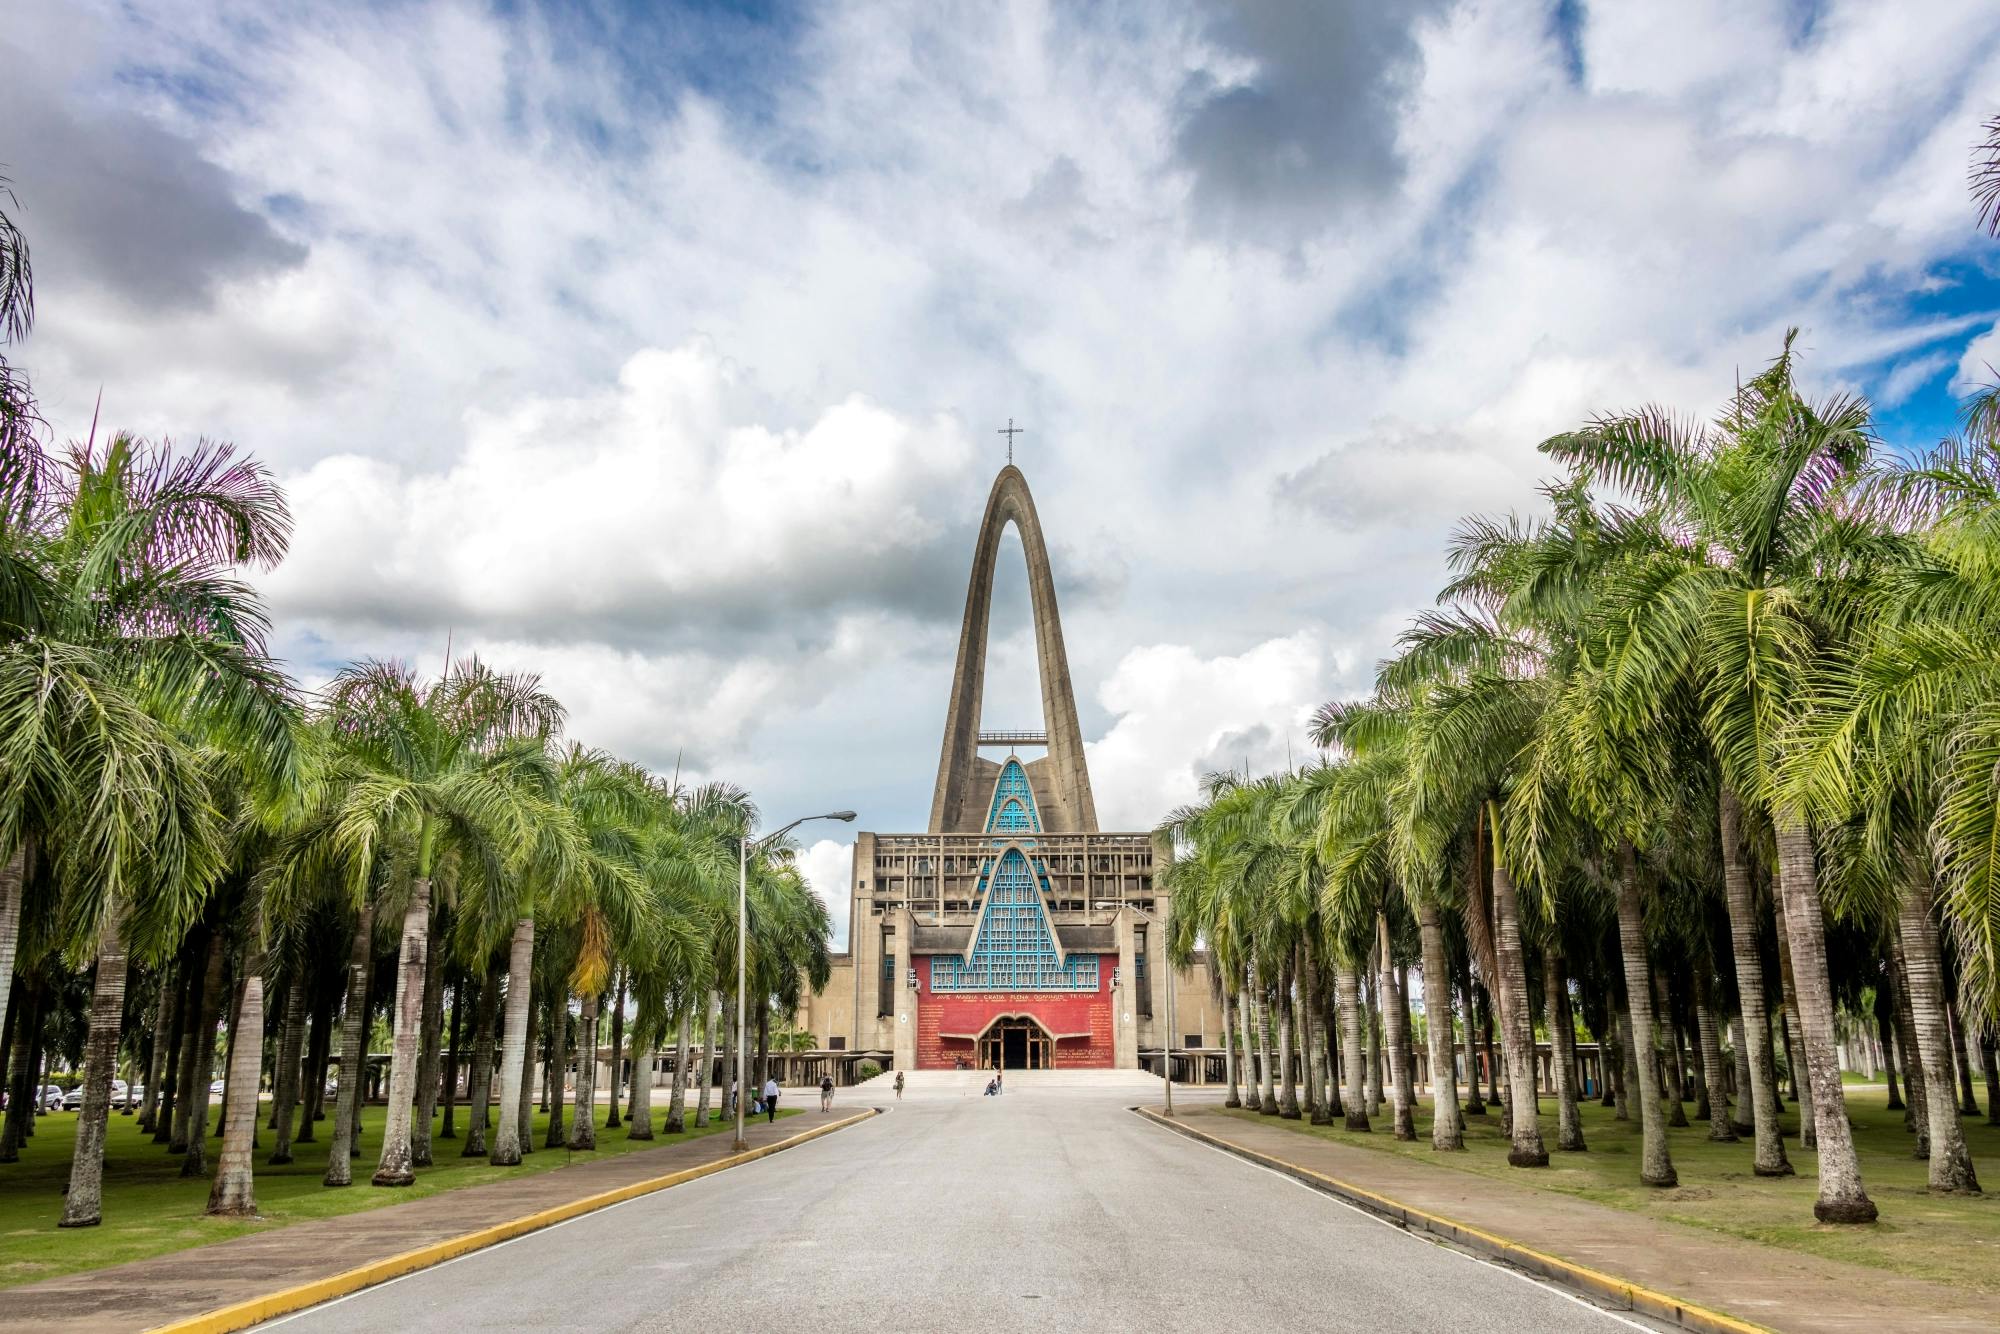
[828, 866]
[663, 507]
[1906, 377]
[1979, 366]
[1181, 716]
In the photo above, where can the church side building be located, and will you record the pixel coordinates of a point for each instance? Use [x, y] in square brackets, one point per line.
[1012, 933]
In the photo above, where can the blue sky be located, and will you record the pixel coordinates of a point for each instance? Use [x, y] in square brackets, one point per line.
[662, 348]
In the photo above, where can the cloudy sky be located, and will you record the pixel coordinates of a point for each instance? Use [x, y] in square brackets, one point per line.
[662, 350]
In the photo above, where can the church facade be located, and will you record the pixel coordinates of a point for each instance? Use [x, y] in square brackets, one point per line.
[1012, 933]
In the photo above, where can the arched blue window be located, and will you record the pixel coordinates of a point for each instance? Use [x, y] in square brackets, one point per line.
[1013, 809]
[1016, 948]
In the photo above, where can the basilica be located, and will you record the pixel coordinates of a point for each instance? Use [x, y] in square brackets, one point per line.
[1013, 933]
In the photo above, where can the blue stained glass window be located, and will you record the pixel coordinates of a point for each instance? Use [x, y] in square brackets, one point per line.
[1016, 949]
[1013, 808]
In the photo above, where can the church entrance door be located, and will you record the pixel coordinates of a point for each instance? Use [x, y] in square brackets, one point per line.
[1016, 1044]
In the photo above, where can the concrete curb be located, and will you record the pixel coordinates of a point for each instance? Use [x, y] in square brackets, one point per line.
[1592, 1283]
[241, 1315]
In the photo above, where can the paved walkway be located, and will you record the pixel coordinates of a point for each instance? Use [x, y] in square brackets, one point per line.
[1768, 1285]
[1052, 1208]
[147, 1293]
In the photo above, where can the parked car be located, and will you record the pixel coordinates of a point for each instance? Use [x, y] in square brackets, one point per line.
[215, 1089]
[73, 1100]
[52, 1097]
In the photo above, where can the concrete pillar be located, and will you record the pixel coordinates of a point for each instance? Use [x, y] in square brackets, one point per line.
[1125, 1013]
[906, 996]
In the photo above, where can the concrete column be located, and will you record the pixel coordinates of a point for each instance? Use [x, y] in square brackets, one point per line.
[1125, 1018]
[906, 996]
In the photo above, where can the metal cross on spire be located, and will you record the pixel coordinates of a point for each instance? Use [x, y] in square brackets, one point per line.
[1010, 431]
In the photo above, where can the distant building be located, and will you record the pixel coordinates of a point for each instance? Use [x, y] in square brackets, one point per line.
[1013, 934]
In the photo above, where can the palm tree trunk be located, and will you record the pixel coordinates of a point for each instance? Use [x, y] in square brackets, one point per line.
[583, 1121]
[1719, 1128]
[1329, 1034]
[1347, 996]
[430, 1043]
[394, 1167]
[1268, 1089]
[83, 1206]
[1740, 1052]
[181, 1076]
[1516, 1024]
[24, 1017]
[1841, 1196]
[641, 1112]
[1885, 1020]
[677, 1100]
[201, 1066]
[165, 1020]
[617, 1052]
[507, 1135]
[1234, 1099]
[1989, 1061]
[353, 1054]
[1310, 984]
[709, 1004]
[1371, 1009]
[280, 1086]
[230, 1032]
[13, 878]
[1916, 1109]
[186, 970]
[555, 1068]
[454, 1038]
[1676, 1090]
[234, 1192]
[1447, 1124]
[1474, 1105]
[319, 1044]
[1967, 1105]
[524, 1109]
[1562, 1053]
[1923, 973]
[285, 1080]
[479, 1082]
[1656, 1167]
[1288, 1089]
[1795, 1047]
[1402, 1120]
[1246, 1015]
[1770, 1160]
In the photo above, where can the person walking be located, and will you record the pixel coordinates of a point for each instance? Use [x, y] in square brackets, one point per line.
[770, 1100]
[826, 1093]
[899, 1085]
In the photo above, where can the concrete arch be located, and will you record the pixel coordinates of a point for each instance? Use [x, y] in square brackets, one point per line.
[1068, 806]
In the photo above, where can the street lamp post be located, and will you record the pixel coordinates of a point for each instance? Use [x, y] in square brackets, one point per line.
[744, 847]
[1166, 1043]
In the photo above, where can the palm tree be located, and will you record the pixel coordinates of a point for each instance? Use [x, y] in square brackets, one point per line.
[1734, 612]
[457, 769]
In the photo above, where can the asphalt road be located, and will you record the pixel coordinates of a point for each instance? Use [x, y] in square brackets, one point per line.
[1046, 1209]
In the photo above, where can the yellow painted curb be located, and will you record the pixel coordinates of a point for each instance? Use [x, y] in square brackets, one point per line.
[241, 1315]
[1618, 1292]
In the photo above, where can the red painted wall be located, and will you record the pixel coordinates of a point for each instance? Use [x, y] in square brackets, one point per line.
[969, 1012]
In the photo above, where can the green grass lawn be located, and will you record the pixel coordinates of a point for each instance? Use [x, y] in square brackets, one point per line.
[149, 1209]
[1952, 1240]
